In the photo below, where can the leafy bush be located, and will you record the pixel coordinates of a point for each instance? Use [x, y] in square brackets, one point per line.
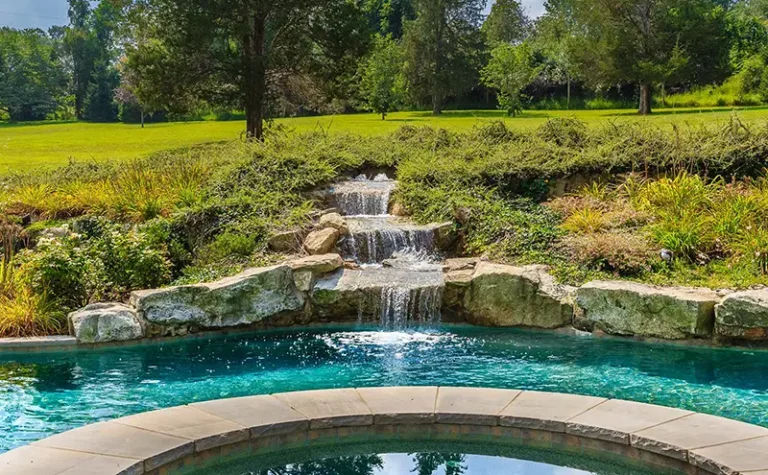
[586, 220]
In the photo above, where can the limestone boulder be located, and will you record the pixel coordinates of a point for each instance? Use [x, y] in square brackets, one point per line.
[321, 241]
[335, 221]
[508, 296]
[105, 322]
[286, 241]
[627, 308]
[743, 316]
[250, 297]
[319, 264]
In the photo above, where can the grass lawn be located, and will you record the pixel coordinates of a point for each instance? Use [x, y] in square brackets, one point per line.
[24, 147]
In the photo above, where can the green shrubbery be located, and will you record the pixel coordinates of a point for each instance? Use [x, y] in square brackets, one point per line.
[198, 214]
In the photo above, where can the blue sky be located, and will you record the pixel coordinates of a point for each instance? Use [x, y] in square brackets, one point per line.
[45, 13]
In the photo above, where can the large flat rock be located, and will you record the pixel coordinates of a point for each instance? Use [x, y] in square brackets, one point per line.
[249, 297]
[628, 308]
[105, 322]
[508, 296]
[349, 293]
[743, 315]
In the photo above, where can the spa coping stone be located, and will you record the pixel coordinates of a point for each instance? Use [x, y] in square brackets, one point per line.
[154, 441]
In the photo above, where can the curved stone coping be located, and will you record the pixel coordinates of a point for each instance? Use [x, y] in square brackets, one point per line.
[152, 442]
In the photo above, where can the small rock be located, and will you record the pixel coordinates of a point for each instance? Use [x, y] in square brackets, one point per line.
[398, 210]
[445, 237]
[287, 241]
[461, 263]
[321, 241]
[351, 265]
[335, 221]
[105, 322]
[319, 264]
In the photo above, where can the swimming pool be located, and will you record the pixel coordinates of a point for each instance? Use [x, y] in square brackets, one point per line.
[428, 458]
[43, 394]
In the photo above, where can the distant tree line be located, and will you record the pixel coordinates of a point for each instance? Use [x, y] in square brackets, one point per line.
[131, 59]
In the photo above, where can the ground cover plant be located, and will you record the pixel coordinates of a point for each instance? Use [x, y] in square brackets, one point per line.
[590, 201]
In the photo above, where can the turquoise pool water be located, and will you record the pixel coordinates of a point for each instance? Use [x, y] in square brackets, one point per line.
[43, 394]
[427, 458]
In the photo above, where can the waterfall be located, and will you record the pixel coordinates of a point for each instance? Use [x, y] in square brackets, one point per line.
[410, 293]
[400, 306]
[362, 197]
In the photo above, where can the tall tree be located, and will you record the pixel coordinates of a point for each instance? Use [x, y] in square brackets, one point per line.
[507, 23]
[388, 17]
[231, 51]
[32, 79]
[443, 49]
[78, 40]
[640, 40]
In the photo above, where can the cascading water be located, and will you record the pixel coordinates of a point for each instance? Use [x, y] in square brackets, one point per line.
[412, 293]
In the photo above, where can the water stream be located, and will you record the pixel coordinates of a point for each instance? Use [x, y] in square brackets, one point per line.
[379, 240]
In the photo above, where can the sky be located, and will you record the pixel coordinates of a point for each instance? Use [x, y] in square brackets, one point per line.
[46, 13]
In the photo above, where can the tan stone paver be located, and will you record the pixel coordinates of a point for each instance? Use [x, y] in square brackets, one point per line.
[206, 430]
[109, 438]
[744, 456]
[34, 460]
[330, 408]
[263, 415]
[403, 405]
[474, 406]
[614, 420]
[676, 437]
[548, 411]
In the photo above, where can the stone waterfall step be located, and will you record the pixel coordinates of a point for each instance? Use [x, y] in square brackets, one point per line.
[394, 297]
[372, 240]
[363, 197]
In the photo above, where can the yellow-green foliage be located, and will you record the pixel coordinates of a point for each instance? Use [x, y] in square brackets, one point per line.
[24, 313]
[728, 94]
[585, 221]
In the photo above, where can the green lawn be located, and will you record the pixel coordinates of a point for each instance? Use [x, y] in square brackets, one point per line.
[24, 147]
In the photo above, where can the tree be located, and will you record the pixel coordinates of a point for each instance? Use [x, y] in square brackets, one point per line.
[32, 79]
[509, 71]
[388, 17]
[443, 48]
[81, 49]
[381, 80]
[90, 39]
[638, 40]
[229, 52]
[559, 40]
[507, 23]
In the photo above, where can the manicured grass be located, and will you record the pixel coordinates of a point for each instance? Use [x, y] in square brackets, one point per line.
[24, 147]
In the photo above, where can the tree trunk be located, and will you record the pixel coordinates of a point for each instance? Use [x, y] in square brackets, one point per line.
[645, 99]
[142, 119]
[568, 101]
[663, 95]
[255, 77]
[383, 116]
[437, 105]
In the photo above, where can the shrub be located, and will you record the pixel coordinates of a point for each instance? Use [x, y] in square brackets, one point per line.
[620, 253]
[62, 270]
[24, 313]
[586, 220]
[564, 132]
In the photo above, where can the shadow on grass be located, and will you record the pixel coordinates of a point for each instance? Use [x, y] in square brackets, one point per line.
[476, 114]
[691, 111]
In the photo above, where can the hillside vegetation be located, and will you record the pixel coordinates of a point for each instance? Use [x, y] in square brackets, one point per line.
[200, 213]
